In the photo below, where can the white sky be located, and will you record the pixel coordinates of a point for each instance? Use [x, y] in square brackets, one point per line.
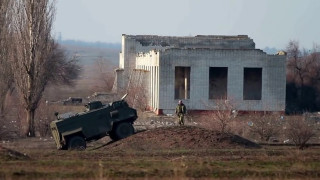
[269, 22]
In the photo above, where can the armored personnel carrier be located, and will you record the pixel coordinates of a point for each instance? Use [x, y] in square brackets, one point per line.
[73, 131]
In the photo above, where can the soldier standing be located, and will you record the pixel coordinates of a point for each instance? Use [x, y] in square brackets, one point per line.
[180, 112]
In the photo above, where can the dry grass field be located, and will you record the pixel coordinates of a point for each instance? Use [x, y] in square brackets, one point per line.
[166, 153]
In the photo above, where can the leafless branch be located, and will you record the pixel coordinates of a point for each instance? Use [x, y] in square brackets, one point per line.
[299, 131]
[6, 77]
[38, 60]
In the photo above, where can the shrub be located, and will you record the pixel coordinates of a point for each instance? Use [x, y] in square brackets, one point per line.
[266, 126]
[220, 117]
[300, 131]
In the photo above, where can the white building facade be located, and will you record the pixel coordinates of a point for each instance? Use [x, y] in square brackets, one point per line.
[202, 71]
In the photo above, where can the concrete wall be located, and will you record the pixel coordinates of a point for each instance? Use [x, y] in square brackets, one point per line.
[159, 55]
[133, 44]
[150, 62]
[273, 77]
[199, 41]
[127, 59]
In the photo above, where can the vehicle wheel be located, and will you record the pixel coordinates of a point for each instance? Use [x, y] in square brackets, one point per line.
[113, 136]
[64, 147]
[123, 130]
[77, 143]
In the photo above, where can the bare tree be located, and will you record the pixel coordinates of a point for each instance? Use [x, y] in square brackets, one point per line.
[220, 117]
[137, 91]
[38, 60]
[266, 126]
[302, 65]
[61, 68]
[44, 116]
[299, 131]
[105, 75]
[314, 68]
[295, 65]
[137, 97]
[303, 78]
[6, 77]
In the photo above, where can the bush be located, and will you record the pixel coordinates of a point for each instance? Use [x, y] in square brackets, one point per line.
[220, 117]
[300, 131]
[266, 126]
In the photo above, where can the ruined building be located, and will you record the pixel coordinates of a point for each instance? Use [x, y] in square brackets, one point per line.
[202, 71]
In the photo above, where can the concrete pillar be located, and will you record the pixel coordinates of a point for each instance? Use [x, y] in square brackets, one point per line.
[185, 84]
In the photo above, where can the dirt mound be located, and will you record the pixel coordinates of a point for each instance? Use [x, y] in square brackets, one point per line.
[183, 137]
[8, 154]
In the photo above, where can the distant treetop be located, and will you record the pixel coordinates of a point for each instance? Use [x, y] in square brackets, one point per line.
[95, 44]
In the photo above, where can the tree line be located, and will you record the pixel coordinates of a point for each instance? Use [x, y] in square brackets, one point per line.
[30, 58]
[303, 79]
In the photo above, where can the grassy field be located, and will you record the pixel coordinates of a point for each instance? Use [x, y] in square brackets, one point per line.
[43, 161]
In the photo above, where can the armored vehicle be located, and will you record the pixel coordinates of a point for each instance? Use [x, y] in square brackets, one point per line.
[73, 131]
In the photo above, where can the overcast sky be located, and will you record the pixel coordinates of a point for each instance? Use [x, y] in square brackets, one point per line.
[269, 22]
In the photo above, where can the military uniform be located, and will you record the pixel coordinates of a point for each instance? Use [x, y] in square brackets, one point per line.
[180, 111]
